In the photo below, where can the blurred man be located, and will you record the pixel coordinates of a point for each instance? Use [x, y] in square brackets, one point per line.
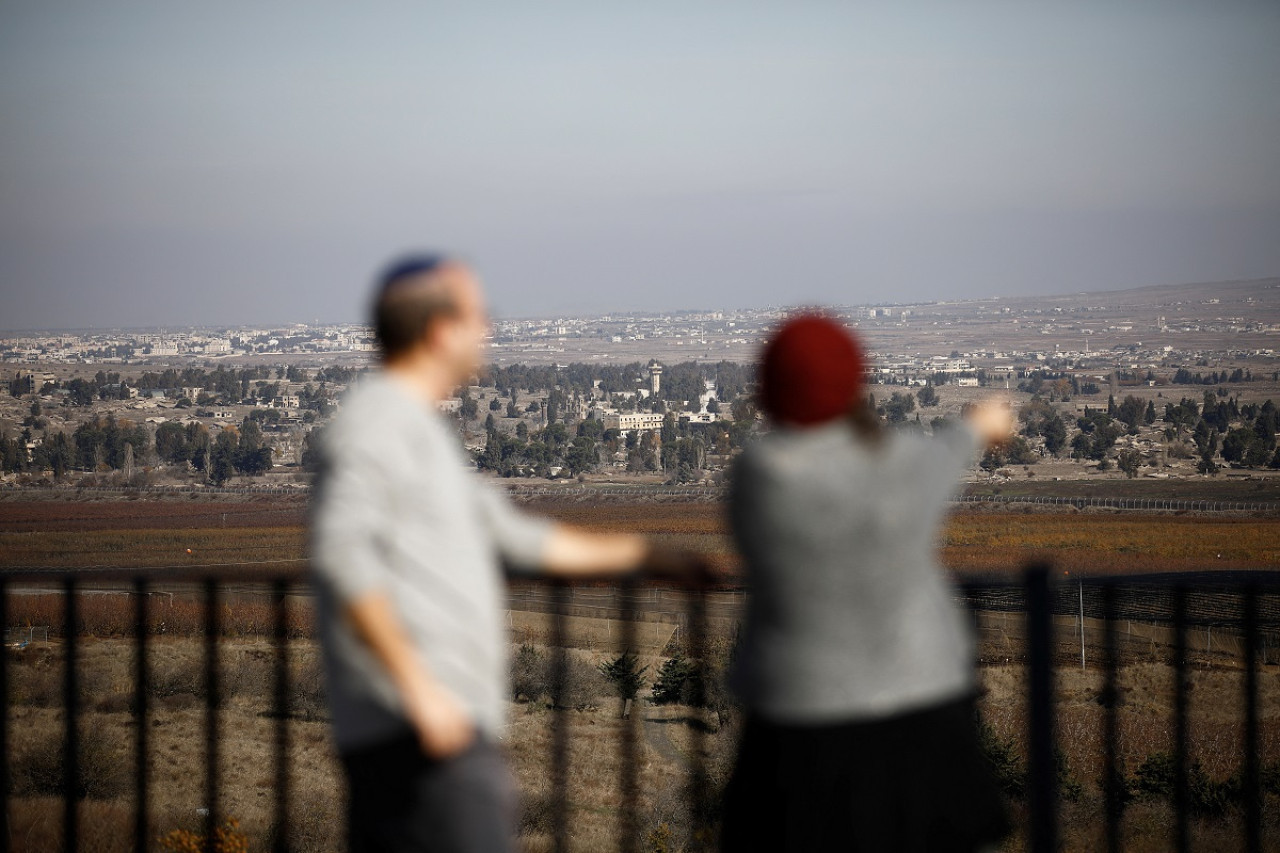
[407, 549]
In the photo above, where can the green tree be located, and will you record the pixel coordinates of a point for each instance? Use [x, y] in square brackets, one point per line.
[677, 681]
[1131, 412]
[311, 443]
[222, 458]
[57, 454]
[1019, 452]
[1055, 434]
[625, 674]
[171, 443]
[1129, 461]
[583, 456]
[898, 406]
[470, 410]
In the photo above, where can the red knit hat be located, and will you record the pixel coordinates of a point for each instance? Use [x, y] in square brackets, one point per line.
[811, 371]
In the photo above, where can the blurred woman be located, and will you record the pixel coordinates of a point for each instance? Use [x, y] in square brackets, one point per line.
[856, 668]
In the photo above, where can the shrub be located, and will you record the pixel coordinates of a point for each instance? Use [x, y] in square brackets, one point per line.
[577, 686]
[1270, 778]
[528, 673]
[625, 674]
[175, 676]
[1004, 760]
[1155, 778]
[248, 673]
[226, 839]
[537, 815]
[104, 766]
[677, 682]
[307, 698]
[35, 678]
[1069, 788]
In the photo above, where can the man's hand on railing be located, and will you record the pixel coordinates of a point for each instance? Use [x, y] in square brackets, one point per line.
[572, 553]
[679, 566]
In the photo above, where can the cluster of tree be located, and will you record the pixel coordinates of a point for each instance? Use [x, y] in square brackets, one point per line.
[1243, 436]
[55, 453]
[233, 451]
[679, 449]
[1183, 376]
[682, 383]
[1253, 443]
[219, 386]
[106, 443]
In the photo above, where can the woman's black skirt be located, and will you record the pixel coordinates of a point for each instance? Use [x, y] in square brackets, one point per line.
[914, 782]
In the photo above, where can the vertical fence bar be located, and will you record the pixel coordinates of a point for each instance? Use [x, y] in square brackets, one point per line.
[140, 687]
[70, 703]
[211, 714]
[703, 837]
[1252, 783]
[560, 722]
[1042, 787]
[1111, 780]
[280, 639]
[1181, 790]
[628, 782]
[4, 725]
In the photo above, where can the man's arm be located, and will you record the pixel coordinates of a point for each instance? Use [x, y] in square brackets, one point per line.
[570, 553]
[443, 726]
[531, 543]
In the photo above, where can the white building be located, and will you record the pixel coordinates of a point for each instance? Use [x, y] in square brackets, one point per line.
[625, 422]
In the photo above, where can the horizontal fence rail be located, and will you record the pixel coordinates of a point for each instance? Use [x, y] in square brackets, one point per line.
[1243, 608]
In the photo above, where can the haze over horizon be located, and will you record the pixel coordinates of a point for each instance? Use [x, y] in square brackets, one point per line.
[165, 165]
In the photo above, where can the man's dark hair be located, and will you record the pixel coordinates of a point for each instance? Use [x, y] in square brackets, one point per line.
[404, 308]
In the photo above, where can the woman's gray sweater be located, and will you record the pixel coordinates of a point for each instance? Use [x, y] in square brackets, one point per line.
[850, 617]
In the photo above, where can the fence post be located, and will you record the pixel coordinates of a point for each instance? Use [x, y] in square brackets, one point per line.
[280, 639]
[560, 723]
[4, 725]
[140, 824]
[70, 700]
[211, 714]
[1042, 785]
[1252, 786]
[629, 782]
[1112, 781]
[1181, 788]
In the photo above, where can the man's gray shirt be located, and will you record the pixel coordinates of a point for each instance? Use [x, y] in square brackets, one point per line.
[850, 617]
[396, 511]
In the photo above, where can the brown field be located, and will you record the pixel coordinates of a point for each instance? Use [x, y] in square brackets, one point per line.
[269, 533]
[158, 534]
[667, 737]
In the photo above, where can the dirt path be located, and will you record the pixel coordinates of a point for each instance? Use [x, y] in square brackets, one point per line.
[657, 734]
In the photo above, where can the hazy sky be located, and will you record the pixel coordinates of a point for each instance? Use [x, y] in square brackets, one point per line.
[179, 163]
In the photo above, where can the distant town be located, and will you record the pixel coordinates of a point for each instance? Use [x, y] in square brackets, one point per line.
[1157, 382]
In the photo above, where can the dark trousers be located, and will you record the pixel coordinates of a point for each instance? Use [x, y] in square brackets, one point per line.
[915, 783]
[403, 802]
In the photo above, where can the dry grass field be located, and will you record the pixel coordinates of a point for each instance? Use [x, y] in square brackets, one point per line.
[153, 534]
[158, 534]
[668, 736]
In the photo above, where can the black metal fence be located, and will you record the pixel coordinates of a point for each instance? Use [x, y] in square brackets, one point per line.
[1247, 602]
